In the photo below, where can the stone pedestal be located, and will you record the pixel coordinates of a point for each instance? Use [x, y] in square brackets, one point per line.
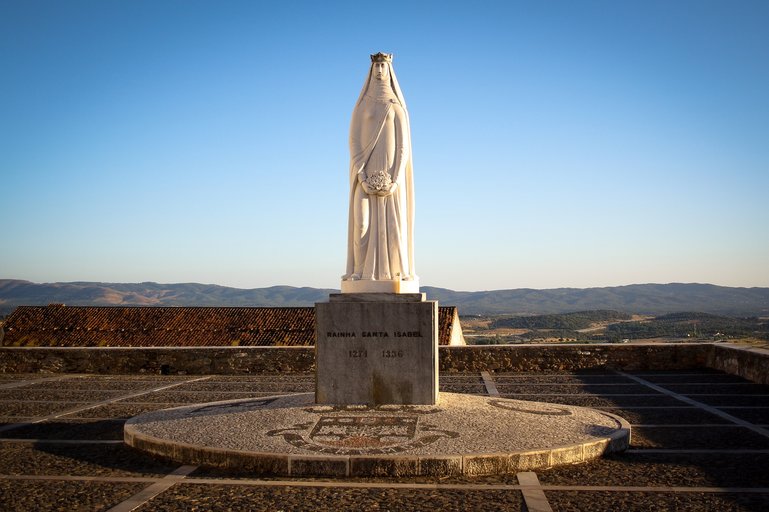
[381, 286]
[377, 348]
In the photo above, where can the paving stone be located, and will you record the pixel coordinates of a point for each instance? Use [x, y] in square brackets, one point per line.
[75, 395]
[715, 378]
[27, 496]
[638, 468]
[70, 429]
[121, 410]
[125, 386]
[665, 469]
[601, 401]
[197, 397]
[248, 387]
[190, 497]
[738, 389]
[732, 400]
[673, 416]
[570, 389]
[544, 377]
[756, 416]
[568, 501]
[81, 460]
[33, 409]
[702, 438]
[474, 389]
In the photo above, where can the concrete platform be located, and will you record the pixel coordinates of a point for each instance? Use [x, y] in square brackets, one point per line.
[462, 434]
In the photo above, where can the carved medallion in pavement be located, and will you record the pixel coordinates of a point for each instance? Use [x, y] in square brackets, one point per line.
[362, 434]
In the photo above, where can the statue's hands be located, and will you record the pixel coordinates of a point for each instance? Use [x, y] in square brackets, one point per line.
[366, 188]
[389, 191]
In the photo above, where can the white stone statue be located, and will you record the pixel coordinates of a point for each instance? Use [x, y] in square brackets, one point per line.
[380, 251]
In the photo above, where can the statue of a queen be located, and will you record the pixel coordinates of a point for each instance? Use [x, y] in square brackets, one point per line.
[380, 249]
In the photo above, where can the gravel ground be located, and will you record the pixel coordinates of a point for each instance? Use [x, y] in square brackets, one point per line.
[572, 389]
[124, 387]
[704, 438]
[23, 376]
[720, 378]
[110, 429]
[80, 460]
[665, 469]
[32, 409]
[190, 497]
[544, 378]
[246, 387]
[757, 416]
[679, 416]
[121, 410]
[651, 502]
[26, 496]
[473, 389]
[732, 400]
[633, 469]
[736, 389]
[284, 378]
[59, 394]
[180, 396]
[600, 401]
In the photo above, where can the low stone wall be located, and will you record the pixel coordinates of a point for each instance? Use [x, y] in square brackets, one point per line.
[747, 362]
[542, 358]
[158, 360]
[491, 358]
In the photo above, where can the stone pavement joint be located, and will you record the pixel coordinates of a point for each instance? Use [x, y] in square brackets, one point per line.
[145, 495]
[341, 484]
[712, 410]
[488, 381]
[82, 408]
[23, 383]
[533, 495]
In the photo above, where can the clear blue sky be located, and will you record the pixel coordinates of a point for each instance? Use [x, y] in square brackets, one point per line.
[556, 143]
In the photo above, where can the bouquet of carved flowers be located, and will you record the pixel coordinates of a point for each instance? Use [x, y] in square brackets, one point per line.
[379, 180]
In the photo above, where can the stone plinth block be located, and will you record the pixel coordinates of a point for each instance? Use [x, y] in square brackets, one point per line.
[377, 349]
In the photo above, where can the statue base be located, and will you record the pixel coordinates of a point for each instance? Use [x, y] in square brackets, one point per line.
[376, 349]
[383, 286]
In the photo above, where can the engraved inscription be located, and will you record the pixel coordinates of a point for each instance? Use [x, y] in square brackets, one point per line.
[375, 334]
[357, 353]
[407, 334]
[346, 334]
[392, 353]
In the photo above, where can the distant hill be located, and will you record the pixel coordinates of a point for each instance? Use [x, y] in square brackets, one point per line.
[17, 293]
[652, 299]
[649, 299]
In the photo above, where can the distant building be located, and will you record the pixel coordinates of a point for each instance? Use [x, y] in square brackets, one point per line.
[57, 325]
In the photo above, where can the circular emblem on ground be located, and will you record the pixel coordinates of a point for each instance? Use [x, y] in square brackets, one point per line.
[374, 434]
[463, 434]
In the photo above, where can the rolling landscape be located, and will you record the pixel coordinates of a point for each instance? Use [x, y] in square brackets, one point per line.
[640, 299]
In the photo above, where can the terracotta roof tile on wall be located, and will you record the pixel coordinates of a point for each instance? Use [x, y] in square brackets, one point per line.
[113, 326]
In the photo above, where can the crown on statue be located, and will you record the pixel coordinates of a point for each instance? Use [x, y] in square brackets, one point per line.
[382, 57]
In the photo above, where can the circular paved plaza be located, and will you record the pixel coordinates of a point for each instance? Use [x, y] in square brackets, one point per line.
[462, 434]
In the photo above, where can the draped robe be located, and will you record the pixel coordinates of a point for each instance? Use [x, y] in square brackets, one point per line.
[380, 241]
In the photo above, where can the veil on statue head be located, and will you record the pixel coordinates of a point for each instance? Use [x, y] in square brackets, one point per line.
[388, 59]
